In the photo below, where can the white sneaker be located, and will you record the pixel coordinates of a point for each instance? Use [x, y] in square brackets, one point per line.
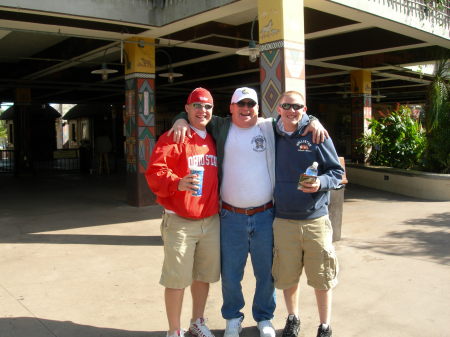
[234, 327]
[199, 328]
[266, 329]
[178, 333]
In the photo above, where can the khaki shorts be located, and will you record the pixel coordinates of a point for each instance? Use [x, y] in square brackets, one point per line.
[304, 243]
[191, 250]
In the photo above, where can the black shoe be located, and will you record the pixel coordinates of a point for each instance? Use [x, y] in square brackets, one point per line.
[322, 332]
[292, 327]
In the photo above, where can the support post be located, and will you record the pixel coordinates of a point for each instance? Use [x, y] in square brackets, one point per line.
[139, 117]
[282, 44]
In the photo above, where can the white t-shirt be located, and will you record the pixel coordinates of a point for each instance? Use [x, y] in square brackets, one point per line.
[246, 181]
[201, 133]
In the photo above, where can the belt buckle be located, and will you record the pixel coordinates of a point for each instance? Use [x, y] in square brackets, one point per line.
[249, 210]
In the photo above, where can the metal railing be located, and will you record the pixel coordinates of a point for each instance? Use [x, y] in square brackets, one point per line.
[436, 14]
[63, 160]
[149, 4]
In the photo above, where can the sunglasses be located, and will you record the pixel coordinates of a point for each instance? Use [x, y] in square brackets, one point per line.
[288, 106]
[200, 106]
[249, 104]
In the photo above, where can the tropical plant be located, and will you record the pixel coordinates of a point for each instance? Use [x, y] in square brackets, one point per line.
[396, 140]
[2, 129]
[437, 120]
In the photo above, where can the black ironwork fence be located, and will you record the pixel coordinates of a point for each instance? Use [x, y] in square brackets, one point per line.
[63, 160]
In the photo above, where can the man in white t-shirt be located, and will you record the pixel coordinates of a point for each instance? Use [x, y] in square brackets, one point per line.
[247, 213]
[246, 162]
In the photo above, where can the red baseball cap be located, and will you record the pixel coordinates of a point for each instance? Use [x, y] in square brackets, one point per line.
[200, 95]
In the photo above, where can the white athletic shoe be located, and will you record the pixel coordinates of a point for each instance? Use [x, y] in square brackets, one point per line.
[266, 329]
[234, 327]
[178, 333]
[199, 328]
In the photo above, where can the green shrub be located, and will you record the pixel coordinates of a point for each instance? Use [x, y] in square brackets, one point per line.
[396, 140]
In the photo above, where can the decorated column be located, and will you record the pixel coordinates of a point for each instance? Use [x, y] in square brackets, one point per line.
[282, 45]
[361, 89]
[139, 117]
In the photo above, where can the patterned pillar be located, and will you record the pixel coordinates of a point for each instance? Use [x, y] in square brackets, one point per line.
[139, 117]
[361, 88]
[282, 45]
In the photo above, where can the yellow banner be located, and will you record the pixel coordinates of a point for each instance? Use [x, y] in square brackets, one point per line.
[139, 55]
[280, 20]
[361, 81]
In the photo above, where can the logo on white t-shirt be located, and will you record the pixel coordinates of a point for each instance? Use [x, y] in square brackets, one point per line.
[259, 143]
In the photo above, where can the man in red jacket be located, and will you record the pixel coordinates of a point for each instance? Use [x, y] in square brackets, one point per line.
[190, 226]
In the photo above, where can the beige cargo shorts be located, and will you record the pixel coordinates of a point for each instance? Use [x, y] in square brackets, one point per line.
[305, 244]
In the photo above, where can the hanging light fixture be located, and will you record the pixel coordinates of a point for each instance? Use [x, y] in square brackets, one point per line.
[104, 70]
[170, 74]
[252, 51]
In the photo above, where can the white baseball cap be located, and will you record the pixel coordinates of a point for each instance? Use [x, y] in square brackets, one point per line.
[241, 93]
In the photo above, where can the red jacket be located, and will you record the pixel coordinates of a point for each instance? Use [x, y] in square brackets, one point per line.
[170, 162]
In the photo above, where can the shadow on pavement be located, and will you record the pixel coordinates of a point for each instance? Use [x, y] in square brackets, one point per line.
[115, 240]
[427, 237]
[425, 242]
[38, 327]
[355, 192]
[32, 205]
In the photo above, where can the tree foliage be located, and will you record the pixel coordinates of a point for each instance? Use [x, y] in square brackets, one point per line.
[396, 140]
[437, 120]
[2, 128]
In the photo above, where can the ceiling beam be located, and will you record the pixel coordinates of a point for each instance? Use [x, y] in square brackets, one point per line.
[93, 54]
[375, 51]
[336, 31]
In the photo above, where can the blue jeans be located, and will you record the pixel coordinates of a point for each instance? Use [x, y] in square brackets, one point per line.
[242, 234]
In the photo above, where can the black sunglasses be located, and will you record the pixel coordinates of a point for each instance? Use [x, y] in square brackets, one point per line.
[288, 106]
[200, 106]
[250, 104]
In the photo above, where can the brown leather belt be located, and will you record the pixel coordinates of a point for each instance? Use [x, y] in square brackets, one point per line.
[247, 211]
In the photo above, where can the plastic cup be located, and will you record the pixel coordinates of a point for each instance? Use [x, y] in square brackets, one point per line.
[199, 171]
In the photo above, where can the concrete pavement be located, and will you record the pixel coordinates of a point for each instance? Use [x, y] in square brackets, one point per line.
[75, 260]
